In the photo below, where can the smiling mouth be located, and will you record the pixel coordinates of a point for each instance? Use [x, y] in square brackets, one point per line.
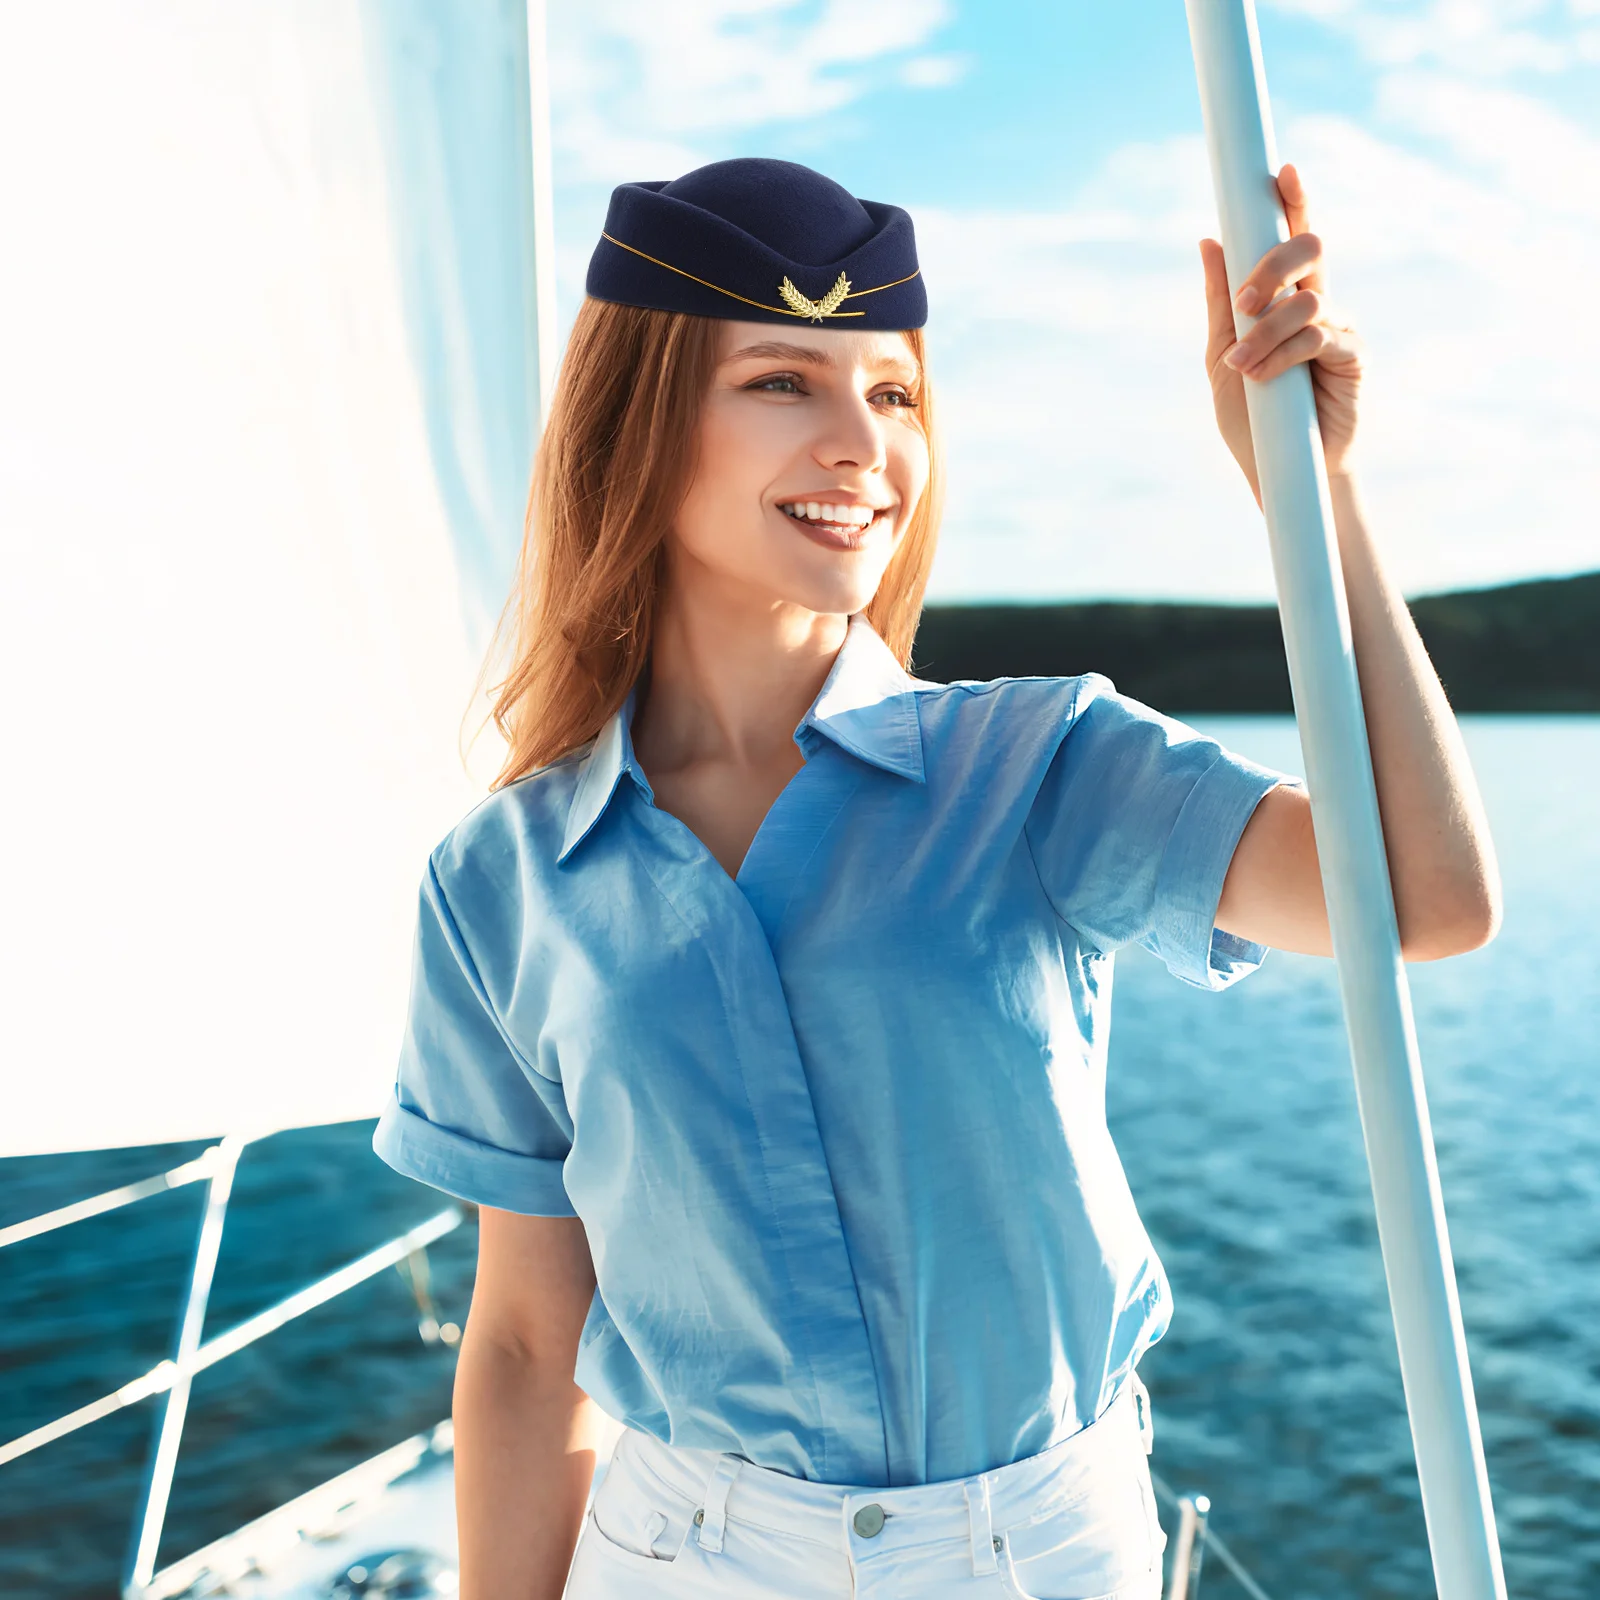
[833, 525]
[841, 520]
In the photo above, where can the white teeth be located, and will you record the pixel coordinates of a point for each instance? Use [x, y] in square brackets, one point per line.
[819, 511]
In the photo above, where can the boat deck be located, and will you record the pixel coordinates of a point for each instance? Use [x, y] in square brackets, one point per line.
[333, 1540]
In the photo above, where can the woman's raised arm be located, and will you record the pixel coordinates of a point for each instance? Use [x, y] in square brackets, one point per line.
[1441, 858]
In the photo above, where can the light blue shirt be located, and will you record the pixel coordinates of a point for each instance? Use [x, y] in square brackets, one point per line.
[835, 1128]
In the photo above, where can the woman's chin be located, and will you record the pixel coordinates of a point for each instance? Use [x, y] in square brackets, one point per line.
[843, 591]
[842, 581]
[792, 569]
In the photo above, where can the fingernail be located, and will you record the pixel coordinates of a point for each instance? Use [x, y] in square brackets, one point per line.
[1236, 358]
[1246, 299]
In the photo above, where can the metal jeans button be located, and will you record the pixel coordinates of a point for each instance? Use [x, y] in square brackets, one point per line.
[868, 1521]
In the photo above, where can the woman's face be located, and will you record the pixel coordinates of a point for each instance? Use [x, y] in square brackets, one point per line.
[811, 459]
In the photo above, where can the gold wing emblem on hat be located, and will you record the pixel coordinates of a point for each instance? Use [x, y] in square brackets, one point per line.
[816, 310]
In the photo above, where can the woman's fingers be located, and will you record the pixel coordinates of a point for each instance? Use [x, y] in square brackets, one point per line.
[1284, 333]
[1219, 308]
[1318, 342]
[1293, 194]
[1282, 322]
[1296, 260]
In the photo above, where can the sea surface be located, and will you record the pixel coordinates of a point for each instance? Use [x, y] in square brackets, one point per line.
[1277, 1390]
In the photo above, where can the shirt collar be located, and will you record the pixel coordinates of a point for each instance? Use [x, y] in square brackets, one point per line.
[600, 772]
[867, 706]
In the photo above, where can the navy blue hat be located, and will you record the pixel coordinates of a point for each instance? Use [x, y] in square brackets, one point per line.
[760, 241]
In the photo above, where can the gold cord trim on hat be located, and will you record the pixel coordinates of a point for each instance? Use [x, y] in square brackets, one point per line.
[798, 304]
[856, 294]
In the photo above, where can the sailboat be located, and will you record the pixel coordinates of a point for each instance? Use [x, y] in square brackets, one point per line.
[366, 484]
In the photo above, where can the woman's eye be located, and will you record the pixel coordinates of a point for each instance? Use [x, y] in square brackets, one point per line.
[780, 383]
[900, 400]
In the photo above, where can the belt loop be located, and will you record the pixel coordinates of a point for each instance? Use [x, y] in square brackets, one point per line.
[980, 1526]
[713, 1515]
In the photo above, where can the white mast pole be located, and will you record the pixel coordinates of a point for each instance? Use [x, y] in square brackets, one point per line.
[1366, 943]
[544, 224]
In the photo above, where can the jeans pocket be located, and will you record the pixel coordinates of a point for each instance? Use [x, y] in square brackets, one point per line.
[605, 1570]
[644, 1543]
[1092, 1547]
[637, 1515]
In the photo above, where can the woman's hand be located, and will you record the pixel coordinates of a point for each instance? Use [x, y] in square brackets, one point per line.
[1441, 856]
[1298, 327]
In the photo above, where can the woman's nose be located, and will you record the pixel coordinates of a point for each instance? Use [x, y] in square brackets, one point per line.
[853, 437]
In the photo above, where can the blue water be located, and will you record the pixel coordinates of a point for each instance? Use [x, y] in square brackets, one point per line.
[1277, 1391]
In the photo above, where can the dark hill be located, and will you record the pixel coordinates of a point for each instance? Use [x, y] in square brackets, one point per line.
[1523, 647]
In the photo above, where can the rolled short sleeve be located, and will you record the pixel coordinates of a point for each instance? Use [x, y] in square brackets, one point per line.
[1133, 830]
[469, 1114]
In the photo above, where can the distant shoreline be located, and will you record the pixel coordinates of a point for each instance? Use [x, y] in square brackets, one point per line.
[1530, 647]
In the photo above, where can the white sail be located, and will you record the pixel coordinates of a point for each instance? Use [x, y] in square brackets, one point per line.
[267, 401]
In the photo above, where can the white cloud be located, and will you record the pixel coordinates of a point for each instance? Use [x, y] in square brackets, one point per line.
[1468, 279]
[1067, 348]
[646, 87]
[1512, 142]
[933, 72]
[1479, 37]
[1464, 230]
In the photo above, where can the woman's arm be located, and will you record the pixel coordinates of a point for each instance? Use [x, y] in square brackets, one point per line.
[1441, 858]
[526, 1435]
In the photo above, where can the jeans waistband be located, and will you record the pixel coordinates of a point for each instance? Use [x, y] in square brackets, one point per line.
[727, 1487]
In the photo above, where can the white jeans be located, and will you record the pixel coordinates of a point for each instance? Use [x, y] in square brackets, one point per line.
[1076, 1522]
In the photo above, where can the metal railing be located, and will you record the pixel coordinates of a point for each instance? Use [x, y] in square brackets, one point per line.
[174, 1377]
[1193, 1538]
[406, 1251]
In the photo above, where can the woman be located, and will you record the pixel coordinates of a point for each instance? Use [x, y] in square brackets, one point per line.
[763, 1006]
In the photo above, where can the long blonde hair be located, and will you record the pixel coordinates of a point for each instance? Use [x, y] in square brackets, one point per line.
[611, 471]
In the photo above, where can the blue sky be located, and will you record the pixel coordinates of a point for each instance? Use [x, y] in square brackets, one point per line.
[1050, 154]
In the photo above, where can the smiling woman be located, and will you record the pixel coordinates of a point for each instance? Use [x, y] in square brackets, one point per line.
[647, 394]
[763, 1008]
[808, 504]
[797, 428]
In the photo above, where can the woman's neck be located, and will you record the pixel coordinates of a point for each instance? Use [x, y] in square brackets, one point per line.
[730, 678]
